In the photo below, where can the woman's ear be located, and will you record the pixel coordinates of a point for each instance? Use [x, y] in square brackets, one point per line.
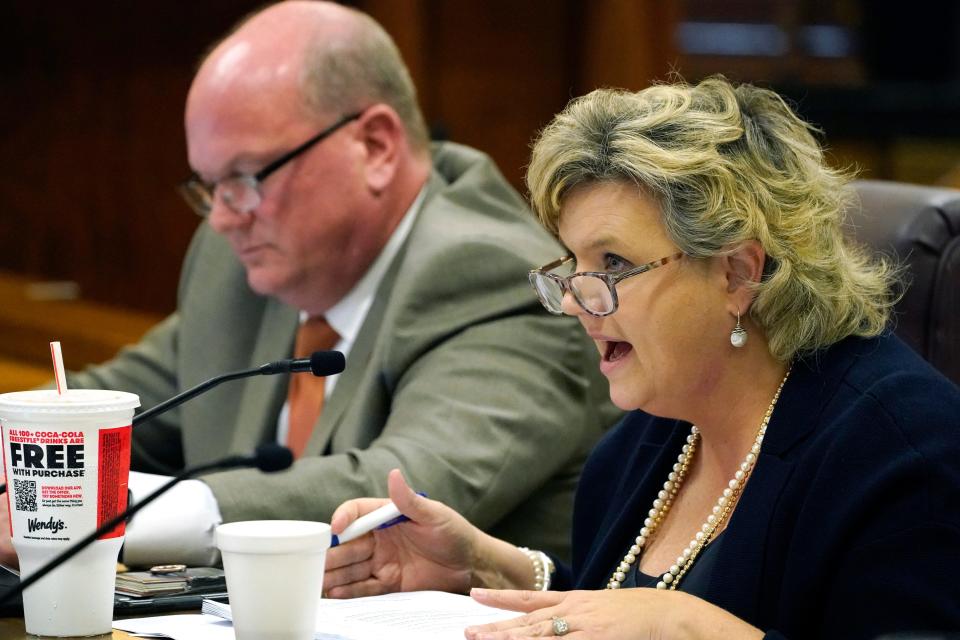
[744, 268]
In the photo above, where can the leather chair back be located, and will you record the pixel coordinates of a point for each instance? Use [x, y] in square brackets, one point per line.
[921, 227]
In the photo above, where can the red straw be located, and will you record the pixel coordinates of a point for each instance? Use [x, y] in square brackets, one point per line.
[58, 372]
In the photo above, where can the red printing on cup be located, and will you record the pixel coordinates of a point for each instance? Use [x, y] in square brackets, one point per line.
[114, 468]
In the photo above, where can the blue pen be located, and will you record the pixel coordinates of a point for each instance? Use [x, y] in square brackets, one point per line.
[386, 516]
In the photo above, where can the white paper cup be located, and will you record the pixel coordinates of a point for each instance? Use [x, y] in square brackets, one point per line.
[274, 572]
[67, 460]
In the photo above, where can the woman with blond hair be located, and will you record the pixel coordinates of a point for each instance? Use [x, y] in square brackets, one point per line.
[789, 467]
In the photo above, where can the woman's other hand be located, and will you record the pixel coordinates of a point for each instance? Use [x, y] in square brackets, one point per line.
[620, 614]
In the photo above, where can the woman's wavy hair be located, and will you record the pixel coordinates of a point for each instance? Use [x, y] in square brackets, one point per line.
[728, 164]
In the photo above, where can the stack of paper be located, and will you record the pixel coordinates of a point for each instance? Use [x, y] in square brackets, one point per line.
[420, 615]
[146, 583]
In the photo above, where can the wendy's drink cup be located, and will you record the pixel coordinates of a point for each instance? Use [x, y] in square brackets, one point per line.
[67, 459]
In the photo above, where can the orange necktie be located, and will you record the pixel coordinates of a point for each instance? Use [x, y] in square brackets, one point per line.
[305, 395]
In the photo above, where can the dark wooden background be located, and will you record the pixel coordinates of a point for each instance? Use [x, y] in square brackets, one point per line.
[91, 140]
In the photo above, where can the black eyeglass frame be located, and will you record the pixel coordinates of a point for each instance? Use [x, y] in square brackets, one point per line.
[611, 280]
[200, 194]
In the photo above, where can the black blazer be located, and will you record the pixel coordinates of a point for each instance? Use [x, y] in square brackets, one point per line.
[850, 524]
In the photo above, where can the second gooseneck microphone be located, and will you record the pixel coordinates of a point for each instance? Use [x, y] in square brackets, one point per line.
[268, 458]
[321, 363]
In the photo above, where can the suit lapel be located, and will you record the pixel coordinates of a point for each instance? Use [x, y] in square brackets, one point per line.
[813, 382]
[743, 549]
[360, 369]
[263, 395]
[621, 526]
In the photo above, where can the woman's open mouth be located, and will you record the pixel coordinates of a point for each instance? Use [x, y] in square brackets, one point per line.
[615, 351]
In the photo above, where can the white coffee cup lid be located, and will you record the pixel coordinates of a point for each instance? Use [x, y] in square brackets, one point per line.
[273, 536]
[72, 401]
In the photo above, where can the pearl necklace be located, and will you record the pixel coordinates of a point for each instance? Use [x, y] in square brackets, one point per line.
[666, 496]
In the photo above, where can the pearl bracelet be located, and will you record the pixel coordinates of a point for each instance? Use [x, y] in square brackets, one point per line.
[542, 568]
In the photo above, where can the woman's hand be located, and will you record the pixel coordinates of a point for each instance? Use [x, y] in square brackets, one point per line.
[621, 614]
[436, 550]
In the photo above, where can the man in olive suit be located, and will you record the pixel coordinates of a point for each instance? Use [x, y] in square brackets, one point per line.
[324, 200]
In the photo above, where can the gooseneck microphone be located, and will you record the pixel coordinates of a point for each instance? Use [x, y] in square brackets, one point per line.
[267, 457]
[321, 363]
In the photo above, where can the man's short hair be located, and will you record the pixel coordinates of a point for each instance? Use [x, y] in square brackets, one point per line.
[362, 68]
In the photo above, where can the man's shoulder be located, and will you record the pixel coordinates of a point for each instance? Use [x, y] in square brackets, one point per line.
[467, 187]
[462, 166]
[471, 209]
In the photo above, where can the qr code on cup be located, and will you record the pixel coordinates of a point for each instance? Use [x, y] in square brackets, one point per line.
[25, 492]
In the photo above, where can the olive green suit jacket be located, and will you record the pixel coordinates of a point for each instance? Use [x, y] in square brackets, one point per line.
[458, 376]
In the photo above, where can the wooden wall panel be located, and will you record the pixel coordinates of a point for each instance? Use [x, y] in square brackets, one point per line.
[626, 43]
[94, 92]
[500, 72]
[92, 142]
[493, 73]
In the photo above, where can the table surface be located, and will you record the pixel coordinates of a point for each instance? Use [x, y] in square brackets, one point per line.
[12, 629]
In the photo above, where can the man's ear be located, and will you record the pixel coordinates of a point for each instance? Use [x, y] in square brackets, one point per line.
[743, 268]
[383, 135]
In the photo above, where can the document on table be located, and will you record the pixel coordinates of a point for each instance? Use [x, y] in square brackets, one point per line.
[179, 627]
[420, 615]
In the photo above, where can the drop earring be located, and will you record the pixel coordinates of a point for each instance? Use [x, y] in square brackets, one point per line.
[738, 337]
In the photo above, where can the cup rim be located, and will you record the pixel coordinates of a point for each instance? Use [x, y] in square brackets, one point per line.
[273, 536]
[48, 401]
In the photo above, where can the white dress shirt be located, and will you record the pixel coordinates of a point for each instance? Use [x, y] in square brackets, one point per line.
[178, 527]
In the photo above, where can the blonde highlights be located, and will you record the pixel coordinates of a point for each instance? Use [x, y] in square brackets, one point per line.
[728, 164]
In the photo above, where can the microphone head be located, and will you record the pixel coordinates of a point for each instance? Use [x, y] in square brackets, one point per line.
[327, 363]
[271, 456]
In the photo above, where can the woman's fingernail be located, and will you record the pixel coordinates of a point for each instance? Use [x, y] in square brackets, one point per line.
[477, 591]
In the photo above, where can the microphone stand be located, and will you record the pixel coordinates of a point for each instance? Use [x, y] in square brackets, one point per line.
[180, 398]
[320, 363]
[203, 387]
[77, 547]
